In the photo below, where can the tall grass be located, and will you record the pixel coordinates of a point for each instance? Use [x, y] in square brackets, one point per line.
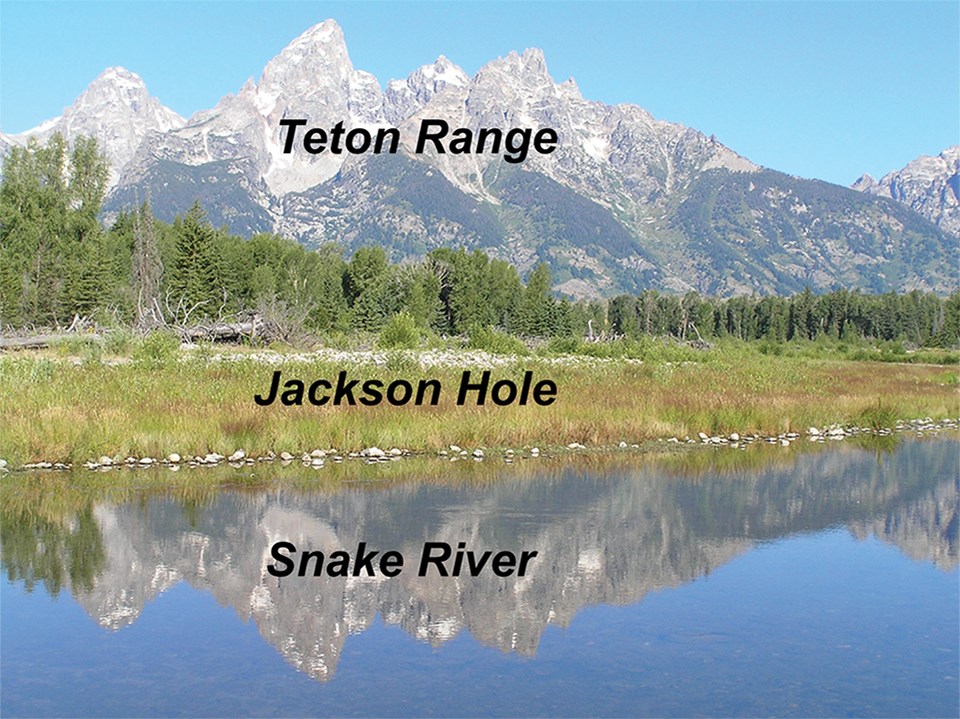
[55, 410]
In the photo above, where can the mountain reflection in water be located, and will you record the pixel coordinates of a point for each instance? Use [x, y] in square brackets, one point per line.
[603, 537]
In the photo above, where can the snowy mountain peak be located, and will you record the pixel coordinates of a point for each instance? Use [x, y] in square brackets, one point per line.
[534, 61]
[444, 71]
[321, 48]
[120, 77]
[313, 78]
[117, 110]
[321, 33]
[121, 92]
[404, 98]
[529, 64]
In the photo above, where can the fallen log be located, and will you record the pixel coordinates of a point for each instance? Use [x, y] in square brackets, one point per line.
[225, 332]
[41, 341]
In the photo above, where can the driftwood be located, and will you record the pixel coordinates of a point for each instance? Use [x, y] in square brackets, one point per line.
[223, 332]
[41, 341]
[218, 332]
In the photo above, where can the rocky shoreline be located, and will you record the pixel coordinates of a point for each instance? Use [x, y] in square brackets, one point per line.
[318, 458]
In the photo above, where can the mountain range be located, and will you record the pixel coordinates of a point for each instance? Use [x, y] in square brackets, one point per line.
[626, 202]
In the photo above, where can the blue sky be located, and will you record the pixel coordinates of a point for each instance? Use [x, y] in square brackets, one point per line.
[826, 90]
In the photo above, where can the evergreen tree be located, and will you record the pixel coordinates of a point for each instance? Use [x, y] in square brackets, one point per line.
[536, 315]
[196, 280]
[32, 219]
[51, 242]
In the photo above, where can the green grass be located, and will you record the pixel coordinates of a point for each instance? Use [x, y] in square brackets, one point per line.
[53, 409]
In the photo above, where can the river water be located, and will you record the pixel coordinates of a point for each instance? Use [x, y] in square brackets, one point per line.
[720, 583]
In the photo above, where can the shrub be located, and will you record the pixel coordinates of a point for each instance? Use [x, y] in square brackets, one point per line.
[878, 416]
[92, 354]
[496, 342]
[564, 346]
[401, 332]
[72, 346]
[156, 349]
[117, 341]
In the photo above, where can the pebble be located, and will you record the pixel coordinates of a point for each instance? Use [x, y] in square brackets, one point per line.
[374, 454]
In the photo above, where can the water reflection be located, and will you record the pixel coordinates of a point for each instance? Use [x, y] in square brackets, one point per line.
[605, 535]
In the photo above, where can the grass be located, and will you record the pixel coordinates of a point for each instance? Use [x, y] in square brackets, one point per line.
[57, 410]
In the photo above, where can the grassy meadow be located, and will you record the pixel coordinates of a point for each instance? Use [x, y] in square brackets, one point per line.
[54, 407]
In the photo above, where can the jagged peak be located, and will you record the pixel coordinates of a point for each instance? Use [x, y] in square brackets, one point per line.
[443, 70]
[324, 39]
[531, 62]
[951, 153]
[570, 88]
[322, 33]
[534, 55]
[120, 75]
[118, 85]
[315, 51]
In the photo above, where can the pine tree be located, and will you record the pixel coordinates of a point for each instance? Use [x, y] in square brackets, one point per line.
[537, 316]
[195, 282]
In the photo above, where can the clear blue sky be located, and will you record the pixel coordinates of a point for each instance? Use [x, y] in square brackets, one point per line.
[827, 90]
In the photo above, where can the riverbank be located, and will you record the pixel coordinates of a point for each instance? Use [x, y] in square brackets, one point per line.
[200, 407]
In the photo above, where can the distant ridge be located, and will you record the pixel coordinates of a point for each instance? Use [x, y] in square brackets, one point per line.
[929, 185]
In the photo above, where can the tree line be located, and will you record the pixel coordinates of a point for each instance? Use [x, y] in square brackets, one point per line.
[57, 262]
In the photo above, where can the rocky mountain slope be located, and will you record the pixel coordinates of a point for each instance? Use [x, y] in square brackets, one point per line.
[929, 185]
[625, 203]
